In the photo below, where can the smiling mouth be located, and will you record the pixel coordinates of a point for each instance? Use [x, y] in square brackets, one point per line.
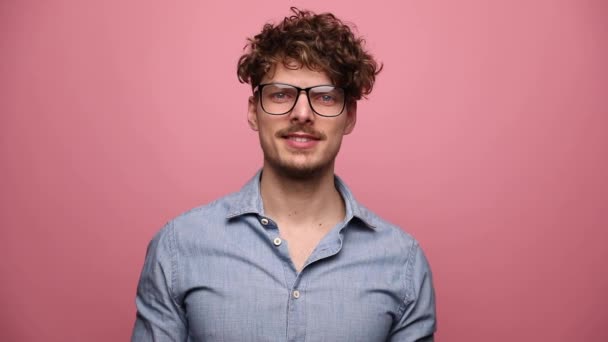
[299, 138]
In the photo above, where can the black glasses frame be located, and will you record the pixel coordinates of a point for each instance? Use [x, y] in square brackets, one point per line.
[260, 87]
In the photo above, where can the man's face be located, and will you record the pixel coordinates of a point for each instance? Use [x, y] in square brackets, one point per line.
[299, 144]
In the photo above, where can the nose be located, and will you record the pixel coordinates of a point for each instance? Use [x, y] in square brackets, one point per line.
[302, 112]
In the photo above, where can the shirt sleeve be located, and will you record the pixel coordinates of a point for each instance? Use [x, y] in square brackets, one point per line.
[418, 319]
[159, 317]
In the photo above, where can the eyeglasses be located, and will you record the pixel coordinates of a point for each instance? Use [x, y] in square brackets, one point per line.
[281, 98]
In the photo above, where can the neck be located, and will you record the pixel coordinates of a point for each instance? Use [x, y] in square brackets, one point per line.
[301, 200]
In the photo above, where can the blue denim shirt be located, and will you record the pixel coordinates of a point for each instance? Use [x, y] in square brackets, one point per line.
[219, 273]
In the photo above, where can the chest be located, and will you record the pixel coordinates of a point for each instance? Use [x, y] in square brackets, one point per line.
[300, 245]
[235, 294]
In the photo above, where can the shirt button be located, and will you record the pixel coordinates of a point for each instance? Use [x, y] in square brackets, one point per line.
[277, 241]
[296, 294]
[264, 221]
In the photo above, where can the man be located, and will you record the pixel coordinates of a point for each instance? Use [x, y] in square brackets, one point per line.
[292, 256]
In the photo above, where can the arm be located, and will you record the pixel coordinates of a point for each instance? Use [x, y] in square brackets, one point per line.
[418, 320]
[159, 316]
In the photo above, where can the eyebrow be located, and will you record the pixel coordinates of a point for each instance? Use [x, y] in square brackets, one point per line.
[295, 86]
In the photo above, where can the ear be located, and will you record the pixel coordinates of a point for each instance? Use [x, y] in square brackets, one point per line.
[351, 117]
[252, 113]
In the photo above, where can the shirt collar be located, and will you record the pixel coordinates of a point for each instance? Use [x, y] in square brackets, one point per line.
[249, 201]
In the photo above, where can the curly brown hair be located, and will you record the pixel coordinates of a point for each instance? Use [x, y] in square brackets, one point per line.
[320, 42]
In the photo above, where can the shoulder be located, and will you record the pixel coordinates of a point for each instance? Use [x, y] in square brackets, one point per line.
[394, 240]
[389, 232]
[219, 208]
[390, 235]
[405, 248]
[199, 221]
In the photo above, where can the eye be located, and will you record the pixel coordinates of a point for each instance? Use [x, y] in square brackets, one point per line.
[278, 96]
[327, 98]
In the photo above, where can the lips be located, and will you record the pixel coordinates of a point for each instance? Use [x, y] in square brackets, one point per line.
[299, 140]
[300, 137]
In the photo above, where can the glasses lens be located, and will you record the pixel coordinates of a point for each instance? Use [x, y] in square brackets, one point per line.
[278, 98]
[327, 100]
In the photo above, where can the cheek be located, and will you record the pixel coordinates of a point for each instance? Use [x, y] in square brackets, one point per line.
[336, 132]
[266, 130]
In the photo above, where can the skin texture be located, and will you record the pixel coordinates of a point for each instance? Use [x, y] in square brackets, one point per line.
[279, 155]
[297, 184]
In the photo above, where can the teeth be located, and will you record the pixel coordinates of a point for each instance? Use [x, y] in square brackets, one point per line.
[300, 139]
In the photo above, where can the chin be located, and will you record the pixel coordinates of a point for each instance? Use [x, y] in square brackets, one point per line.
[299, 171]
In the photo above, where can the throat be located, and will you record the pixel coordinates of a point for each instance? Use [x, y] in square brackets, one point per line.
[302, 240]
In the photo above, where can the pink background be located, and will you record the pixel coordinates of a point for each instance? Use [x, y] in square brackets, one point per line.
[486, 138]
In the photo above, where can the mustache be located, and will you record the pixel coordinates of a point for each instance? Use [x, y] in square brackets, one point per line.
[302, 129]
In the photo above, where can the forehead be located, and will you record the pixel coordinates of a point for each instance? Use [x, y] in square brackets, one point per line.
[296, 74]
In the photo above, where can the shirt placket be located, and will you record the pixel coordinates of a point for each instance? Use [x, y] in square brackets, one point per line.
[296, 315]
[296, 282]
